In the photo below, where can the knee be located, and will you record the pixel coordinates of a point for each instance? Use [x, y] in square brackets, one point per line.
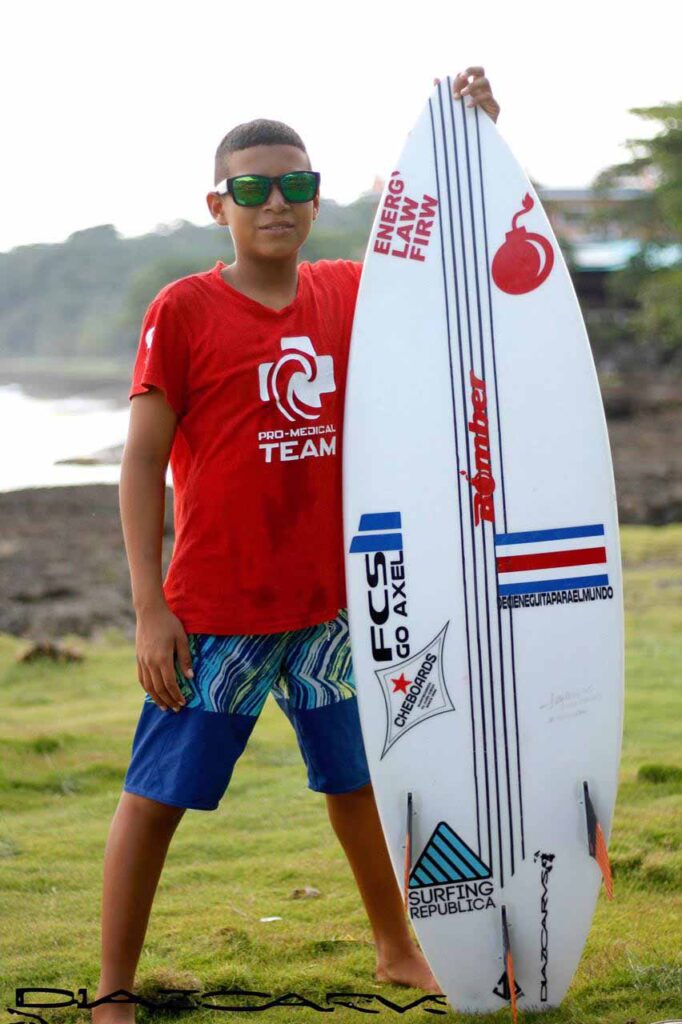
[354, 796]
[152, 810]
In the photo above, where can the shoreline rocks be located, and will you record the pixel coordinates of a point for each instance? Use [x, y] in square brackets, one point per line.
[63, 566]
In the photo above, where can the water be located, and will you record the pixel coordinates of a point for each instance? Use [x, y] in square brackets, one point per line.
[37, 432]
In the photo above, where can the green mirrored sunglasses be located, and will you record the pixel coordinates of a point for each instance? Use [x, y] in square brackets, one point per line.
[254, 189]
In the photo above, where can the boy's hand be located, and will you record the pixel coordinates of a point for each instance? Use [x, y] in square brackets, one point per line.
[473, 84]
[159, 634]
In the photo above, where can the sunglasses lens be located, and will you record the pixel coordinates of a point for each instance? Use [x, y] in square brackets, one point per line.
[299, 187]
[250, 190]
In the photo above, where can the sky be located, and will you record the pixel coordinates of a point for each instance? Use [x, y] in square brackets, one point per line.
[112, 112]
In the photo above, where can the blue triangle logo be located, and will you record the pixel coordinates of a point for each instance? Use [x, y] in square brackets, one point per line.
[447, 858]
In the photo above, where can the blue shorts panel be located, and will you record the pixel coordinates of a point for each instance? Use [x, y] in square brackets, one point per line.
[187, 758]
[330, 741]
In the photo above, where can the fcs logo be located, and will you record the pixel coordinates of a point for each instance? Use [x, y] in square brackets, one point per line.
[149, 337]
[297, 379]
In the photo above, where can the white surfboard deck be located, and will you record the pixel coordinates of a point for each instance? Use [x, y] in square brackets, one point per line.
[483, 564]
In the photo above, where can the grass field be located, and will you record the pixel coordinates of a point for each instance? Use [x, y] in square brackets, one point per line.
[65, 735]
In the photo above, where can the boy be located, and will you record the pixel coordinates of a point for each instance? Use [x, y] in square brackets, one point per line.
[243, 372]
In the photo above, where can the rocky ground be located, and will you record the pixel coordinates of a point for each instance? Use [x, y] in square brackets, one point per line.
[63, 566]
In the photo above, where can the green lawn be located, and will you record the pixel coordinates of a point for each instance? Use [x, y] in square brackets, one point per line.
[66, 733]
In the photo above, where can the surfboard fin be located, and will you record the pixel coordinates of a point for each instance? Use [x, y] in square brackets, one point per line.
[509, 964]
[408, 851]
[597, 843]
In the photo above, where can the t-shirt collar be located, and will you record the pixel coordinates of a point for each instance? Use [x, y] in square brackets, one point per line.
[252, 304]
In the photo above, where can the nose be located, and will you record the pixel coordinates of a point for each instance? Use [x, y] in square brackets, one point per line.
[275, 200]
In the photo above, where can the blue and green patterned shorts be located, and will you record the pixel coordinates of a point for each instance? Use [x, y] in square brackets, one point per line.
[186, 758]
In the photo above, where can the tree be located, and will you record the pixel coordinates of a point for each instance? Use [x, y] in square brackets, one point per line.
[652, 284]
[658, 212]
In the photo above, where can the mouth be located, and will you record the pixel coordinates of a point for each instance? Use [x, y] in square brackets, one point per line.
[277, 229]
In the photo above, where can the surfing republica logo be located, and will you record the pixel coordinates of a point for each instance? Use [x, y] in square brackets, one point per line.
[449, 877]
[297, 379]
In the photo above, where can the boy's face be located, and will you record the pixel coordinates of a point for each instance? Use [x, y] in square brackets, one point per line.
[277, 229]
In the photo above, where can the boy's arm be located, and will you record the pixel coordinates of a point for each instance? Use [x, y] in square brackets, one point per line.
[142, 492]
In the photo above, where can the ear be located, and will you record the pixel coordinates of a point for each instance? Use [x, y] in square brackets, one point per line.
[316, 205]
[216, 208]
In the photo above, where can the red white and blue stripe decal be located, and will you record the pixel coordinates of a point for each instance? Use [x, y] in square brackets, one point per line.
[543, 561]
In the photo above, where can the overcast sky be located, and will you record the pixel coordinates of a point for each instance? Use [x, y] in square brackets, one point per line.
[112, 111]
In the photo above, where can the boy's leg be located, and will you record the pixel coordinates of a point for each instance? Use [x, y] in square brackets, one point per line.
[179, 760]
[355, 820]
[139, 836]
[318, 696]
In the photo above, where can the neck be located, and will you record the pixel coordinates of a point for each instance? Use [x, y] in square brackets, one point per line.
[270, 283]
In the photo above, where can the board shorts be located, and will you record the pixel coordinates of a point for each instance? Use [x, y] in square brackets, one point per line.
[186, 758]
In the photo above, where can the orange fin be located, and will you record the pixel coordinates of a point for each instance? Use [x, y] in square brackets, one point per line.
[408, 851]
[597, 843]
[509, 965]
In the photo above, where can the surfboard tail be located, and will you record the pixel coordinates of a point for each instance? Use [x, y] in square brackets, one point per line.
[597, 843]
[408, 852]
[509, 965]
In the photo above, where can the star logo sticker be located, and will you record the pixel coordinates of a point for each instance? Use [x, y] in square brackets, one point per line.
[414, 689]
[400, 685]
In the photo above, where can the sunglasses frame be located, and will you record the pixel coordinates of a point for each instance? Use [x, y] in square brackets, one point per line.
[224, 187]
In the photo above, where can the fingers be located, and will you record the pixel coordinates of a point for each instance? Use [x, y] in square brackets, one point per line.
[459, 83]
[462, 86]
[147, 680]
[171, 690]
[462, 79]
[184, 654]
[160, 683]
[474, 85]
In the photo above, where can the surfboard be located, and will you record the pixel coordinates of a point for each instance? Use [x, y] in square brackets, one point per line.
[483, 567]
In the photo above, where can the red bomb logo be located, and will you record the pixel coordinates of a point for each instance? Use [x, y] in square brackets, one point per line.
[524, 260]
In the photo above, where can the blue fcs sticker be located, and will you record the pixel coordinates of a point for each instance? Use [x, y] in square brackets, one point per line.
[372, 535]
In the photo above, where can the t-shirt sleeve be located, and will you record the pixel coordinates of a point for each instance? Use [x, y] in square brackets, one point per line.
[347, 275]
[163, 355]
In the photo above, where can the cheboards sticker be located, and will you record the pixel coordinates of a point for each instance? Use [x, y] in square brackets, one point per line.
[414, 690]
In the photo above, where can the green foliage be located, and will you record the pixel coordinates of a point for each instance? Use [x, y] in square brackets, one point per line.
[87, 296]
[656, 216]
[654, 294]
[147, 282]
[660, 313]
[660, 773]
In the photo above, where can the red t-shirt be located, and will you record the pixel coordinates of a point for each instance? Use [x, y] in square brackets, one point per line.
[256, 457]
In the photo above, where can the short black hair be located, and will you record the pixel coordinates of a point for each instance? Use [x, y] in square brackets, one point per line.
[260, 132]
